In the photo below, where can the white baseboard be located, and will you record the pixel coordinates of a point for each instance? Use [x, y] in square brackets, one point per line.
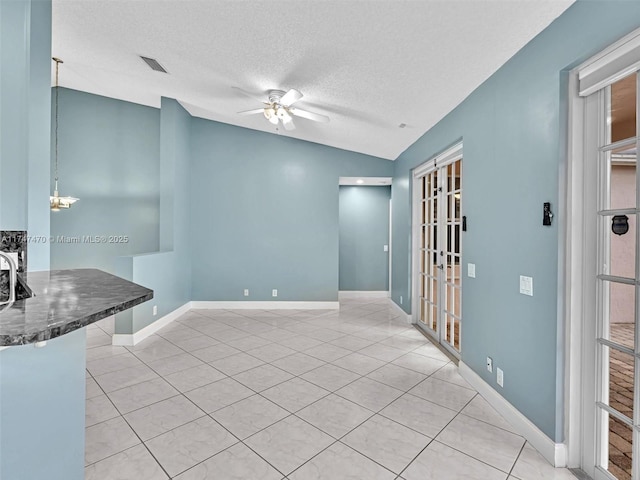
[364, 294]
[555, 453]
[403, 314]
[266, 305]
[131, 339]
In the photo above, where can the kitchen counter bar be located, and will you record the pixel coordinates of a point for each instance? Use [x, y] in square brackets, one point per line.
[64, 301]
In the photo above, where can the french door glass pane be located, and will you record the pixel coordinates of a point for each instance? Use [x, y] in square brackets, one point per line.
[617, 380]
[434, 318]
[620, 173]
[622, 113]
[618, 316]
[617, 452]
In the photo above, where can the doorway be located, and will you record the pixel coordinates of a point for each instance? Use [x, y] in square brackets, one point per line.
[364, 236]
[603, 265]
[437, 248]
[614, 110]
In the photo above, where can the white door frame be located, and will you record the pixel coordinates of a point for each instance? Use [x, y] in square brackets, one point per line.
[390, 245]
[576, 268]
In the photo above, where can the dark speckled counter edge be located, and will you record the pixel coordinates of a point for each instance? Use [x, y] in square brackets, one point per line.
[53, 332]
[64, 301]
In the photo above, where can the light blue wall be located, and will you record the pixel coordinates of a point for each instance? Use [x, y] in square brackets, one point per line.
[513, 151]
[25, 59]
[109, 157]
[364, 230]
[265, 213]
[129, 165]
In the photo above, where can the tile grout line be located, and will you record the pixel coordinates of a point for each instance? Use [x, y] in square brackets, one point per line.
[266, 363]
[469, 455]
[271, 342]
[242, 440]
[516, 460]
[436, 436]
[133, 430]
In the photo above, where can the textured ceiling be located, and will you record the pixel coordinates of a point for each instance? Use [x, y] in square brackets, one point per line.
[369, 65]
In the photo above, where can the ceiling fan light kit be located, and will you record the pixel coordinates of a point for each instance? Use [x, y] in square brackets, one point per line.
[278, 109]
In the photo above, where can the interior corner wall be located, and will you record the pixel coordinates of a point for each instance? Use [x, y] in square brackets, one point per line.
[364, 231]
[168, 272]
[265, 213]
[513, 152]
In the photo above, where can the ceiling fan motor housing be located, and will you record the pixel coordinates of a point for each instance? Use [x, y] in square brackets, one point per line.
[275, 96]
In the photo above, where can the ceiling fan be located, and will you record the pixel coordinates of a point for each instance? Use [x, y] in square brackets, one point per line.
[279, 108]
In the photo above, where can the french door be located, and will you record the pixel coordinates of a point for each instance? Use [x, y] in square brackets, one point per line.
[612, 145]
[437, 231]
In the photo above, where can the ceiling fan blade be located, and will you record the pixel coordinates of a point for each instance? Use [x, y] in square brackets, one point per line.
[289, 125]
[291, 97]
[255, 96]
[316, 117]
[252, 112]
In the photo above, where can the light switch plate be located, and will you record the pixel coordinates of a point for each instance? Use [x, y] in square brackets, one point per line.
[526, 285]
[500, 377]
[471, 270]
[386, 248]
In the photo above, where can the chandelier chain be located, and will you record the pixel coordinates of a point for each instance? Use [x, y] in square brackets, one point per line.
[56, 120]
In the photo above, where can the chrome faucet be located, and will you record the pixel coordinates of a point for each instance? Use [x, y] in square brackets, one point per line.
[13, 278]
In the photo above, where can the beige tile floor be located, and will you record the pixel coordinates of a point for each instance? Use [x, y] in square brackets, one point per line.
[291, 394]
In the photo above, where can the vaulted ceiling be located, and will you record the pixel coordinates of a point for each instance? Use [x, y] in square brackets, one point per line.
[370, 65]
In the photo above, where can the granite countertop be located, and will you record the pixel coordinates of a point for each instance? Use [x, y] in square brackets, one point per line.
[66, 300]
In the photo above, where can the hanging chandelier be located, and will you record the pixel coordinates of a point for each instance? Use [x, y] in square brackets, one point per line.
[56, 202]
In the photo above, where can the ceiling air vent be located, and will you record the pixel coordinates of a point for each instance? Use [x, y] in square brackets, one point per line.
[153, 63]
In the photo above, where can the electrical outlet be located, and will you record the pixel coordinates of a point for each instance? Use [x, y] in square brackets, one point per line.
[274, 292]
[489, 364]
[400, 299]
[155, 310]
[246, 292]
[500, 377]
